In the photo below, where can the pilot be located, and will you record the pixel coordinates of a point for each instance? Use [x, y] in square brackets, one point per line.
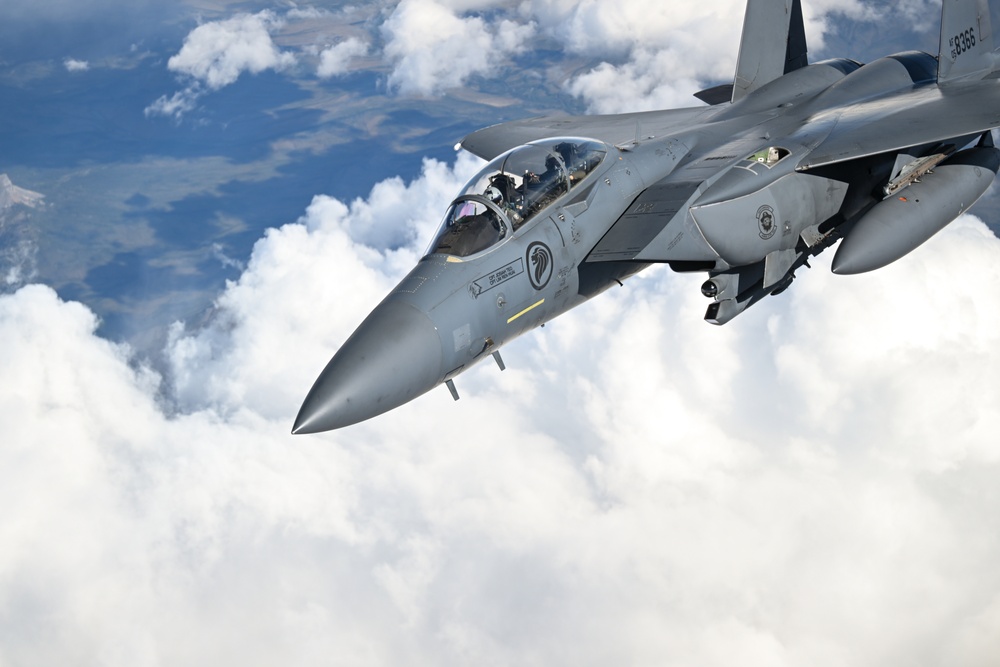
[540, 189]
[536, 183]
[494, 195]
[552, 170]
[503, 184]
[567, 152]
[576, 164]
[506, 196]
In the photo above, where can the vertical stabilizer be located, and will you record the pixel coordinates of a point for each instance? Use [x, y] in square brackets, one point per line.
[966, 39]
[773, 44]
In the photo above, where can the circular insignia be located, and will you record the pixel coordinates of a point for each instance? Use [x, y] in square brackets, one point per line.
[766, 222]
[539, 262]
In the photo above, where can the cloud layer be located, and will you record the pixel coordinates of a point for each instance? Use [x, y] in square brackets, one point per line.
[812, 484]
[628, 56]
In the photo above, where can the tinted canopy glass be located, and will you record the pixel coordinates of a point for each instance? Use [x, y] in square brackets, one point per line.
[511, 190]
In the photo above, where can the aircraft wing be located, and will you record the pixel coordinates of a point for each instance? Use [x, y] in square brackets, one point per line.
[921, 116]
[615, 129]
[656, 227]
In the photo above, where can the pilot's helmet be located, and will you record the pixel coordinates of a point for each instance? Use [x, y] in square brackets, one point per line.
[493, 194]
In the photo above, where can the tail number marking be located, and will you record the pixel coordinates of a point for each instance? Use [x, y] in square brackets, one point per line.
[962, 42]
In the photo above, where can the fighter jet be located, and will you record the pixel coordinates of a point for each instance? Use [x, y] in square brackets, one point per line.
[781, 164]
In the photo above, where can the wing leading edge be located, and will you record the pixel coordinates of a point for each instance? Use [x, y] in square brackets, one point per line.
[916, 117]
[616, 129]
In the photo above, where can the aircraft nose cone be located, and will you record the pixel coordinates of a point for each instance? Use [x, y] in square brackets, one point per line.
[393, 357]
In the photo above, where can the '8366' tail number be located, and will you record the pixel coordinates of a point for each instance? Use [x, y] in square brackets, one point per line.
[962, 42]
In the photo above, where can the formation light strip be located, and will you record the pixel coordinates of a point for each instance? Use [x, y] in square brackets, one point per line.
[531, 307]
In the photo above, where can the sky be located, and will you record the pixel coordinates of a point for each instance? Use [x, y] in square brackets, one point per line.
[813, 483]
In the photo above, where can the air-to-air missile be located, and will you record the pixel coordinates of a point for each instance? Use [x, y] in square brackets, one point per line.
[781, 164]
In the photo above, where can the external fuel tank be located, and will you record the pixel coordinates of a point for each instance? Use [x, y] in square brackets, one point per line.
[901, 222]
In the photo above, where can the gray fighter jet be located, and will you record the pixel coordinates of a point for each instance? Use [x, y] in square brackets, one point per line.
[781, 164]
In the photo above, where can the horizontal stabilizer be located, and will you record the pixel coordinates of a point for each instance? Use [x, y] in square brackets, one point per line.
[716, 94]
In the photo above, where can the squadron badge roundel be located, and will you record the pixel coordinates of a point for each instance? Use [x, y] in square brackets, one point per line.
[539, 263]
[766, 222]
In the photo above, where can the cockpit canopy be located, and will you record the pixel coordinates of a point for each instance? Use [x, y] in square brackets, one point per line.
[511, 190]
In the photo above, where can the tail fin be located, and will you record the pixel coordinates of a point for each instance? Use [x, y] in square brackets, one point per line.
[966, 39]
[773, 44]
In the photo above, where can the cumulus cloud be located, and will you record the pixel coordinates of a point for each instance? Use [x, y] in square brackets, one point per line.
[648, 81]
[434, 48]
[657, 54]
[336, 60]
[657, 57]
[215, 54]
[638, 54]
[637, 487]
[603, 29]
[653, 57]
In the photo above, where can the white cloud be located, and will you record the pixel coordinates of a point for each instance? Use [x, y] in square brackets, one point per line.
[648, 81]
[657, 56]
[660, 53]
[176, 105]
[600, 29]
[434, 49]
[74, 65]
[654, 56]
[637, 487]
[217, 53]
[336, 60]
[648, 56]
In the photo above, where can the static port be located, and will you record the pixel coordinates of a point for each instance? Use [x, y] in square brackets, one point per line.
[710, 289]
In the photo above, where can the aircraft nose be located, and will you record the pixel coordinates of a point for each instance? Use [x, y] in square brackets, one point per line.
[393, 357]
